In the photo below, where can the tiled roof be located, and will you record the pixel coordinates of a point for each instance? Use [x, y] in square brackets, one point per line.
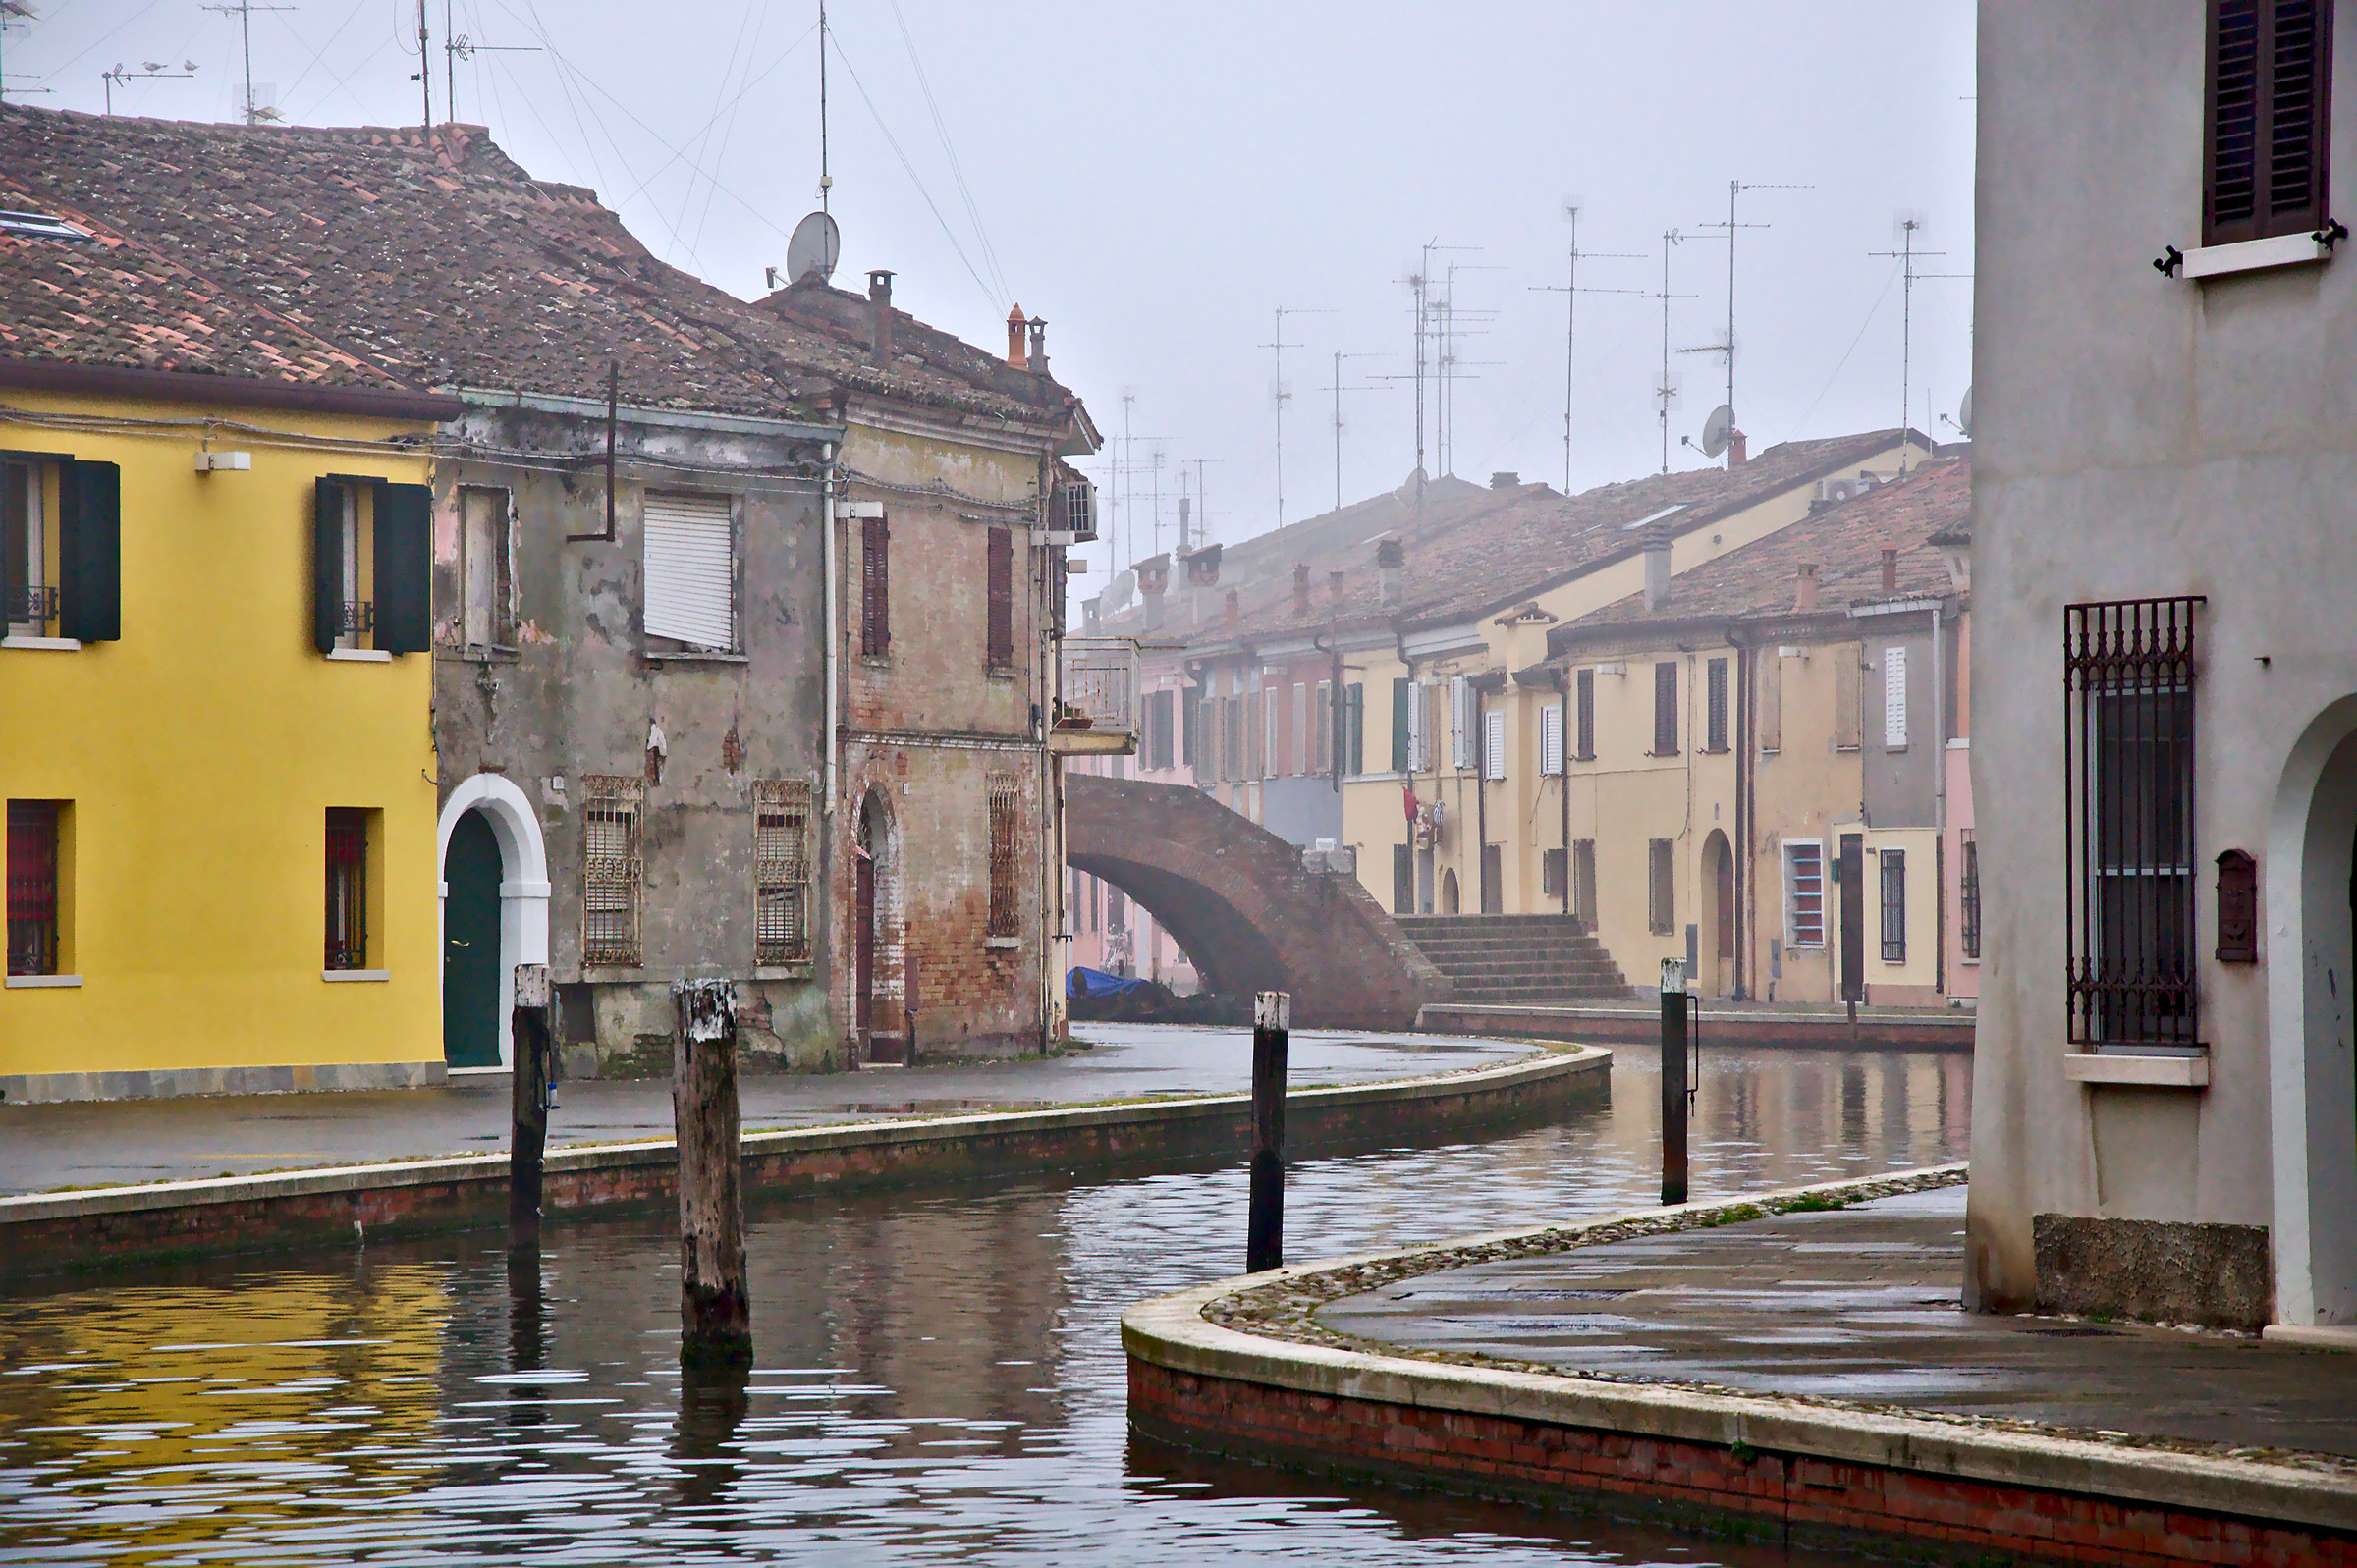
[441, 262]
[1473, 550]
[107, 300]
[1844, 540]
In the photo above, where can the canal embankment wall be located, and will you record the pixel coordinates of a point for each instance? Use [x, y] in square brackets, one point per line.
[1761, 1025]
[346, 1205]
[1783, 1469]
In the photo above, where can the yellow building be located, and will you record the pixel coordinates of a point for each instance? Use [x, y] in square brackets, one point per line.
[215, 688]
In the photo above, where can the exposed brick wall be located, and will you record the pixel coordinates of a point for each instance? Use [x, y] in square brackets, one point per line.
[1800, 1499]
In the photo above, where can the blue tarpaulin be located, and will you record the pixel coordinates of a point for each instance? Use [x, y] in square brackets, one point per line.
[1083, 982]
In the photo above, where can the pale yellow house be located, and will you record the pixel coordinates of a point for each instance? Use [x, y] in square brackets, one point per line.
[214, 689]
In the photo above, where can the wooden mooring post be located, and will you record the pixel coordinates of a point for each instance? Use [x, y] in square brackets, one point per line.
[716, 1325]
[528, 1100]
[1673, 1081]
[1264, 1222]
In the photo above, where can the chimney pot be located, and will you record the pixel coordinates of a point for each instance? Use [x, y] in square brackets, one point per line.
[1505, 479]
[1300, 587]
[1235, 614]
[1889, 573]
[1390, 561]
[1657, 565]
[1016, 325]
[1739, 450]
[1038, 365]
[1334, 585]
[879, 314]
[1804, 589]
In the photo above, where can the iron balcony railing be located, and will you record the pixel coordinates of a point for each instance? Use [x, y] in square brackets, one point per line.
[29, 603]
[1100, 685]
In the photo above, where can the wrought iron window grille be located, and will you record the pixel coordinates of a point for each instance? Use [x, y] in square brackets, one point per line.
[31, 603]
[358, 616]
[781, 871]
[347, 888]
[32, 888]
[612, 872]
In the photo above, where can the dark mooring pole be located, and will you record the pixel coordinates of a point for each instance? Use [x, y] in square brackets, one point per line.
[528, 1105]
[1264, 1225]
[1673, 1081]
[716, 1320]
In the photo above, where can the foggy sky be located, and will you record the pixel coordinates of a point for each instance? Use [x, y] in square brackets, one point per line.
[1156, 180]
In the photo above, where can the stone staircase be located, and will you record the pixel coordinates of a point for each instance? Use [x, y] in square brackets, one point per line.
[1529, 961]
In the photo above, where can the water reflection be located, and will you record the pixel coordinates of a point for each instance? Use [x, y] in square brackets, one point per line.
[938, 1374]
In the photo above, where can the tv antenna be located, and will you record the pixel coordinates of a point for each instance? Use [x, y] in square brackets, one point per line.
[244, 11]
[1734, 189]
[1338, 388]
[1666, 390]
[455, 46]
[149, 71]
[1202, 533]
[826, 178]
[1570, 290]
[1419, 283]
[1280, 395]
[1908, 224]
[1446, 369]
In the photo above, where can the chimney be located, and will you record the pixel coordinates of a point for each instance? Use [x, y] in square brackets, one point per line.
[1039, 347]
[1391, 559]
[1657, 565]
[1739, 450]
[1804, 587]
[1235, 614]
[1889, 573]
[1505, 479]
[1153, 576]
[1184, 504]
[1014, 337]
[879, 314]
[1300, 587]
[1334, 584]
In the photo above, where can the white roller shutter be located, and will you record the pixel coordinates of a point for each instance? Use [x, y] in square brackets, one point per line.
[691, 571]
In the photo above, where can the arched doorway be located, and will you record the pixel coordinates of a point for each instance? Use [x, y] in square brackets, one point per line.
[1448, 892]
[1716, 957]
[489, 837]
[2309, 887]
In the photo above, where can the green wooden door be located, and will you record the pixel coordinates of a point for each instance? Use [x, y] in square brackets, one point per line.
[470, 946]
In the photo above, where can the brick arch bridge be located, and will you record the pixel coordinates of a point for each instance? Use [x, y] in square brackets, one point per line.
[1246, 910]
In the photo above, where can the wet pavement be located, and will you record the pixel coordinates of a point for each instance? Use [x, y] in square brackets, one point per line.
[1861, 1303]
[939, 1375]
[46, 1147]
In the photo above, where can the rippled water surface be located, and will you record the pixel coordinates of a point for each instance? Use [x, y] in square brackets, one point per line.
[940, 1374]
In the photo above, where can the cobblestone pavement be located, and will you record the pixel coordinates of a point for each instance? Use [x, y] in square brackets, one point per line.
[45, 1147]
[1861, 1305]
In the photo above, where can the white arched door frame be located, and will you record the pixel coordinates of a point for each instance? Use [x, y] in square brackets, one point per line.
[522, 887]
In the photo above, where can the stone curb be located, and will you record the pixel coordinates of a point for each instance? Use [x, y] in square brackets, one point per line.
[1176, 1333]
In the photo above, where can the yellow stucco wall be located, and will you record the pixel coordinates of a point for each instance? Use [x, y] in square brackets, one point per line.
[201, 753]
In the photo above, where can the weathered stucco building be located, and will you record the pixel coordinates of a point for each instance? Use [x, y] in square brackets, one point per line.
[2164, 1118]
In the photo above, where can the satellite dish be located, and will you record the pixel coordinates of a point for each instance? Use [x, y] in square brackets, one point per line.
[1964, 415]
[1717, 429]
[816, 245]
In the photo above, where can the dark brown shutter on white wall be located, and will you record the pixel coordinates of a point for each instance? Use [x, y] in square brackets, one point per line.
[2269, 114]
[1002, 598]
[875, 586]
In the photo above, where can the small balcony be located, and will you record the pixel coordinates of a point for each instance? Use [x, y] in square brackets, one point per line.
[1097, 716]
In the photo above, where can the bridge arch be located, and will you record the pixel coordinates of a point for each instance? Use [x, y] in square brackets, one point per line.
[1245, 908]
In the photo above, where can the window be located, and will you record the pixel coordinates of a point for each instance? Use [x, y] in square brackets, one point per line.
[1322, 731]
[371, 560]
[1552, 866]
[1894, 905]
[347, 846]
[1586, 683]
[875, 586]
[35, 887]
[1583, 882]
[1894, 699]
[1073, 504]
[1403, 880]
[1665, 709]
[1000, 597]
[61, 550]
[1354, 729]
[1260, 734]
[2128, 747]
[2268, 92]
[1551, 740]
[1661, 887]
[781, 871]
[1493, 879]
[1716, 737]
[1158, 706]
[1768, 698]
[1968, 896]
[1402, 758]
[484, 582]
[610, 870]
[1492, 744]
[1232, 739]
[690, 545]
[1461, 721]
[1804, 893]
[1004, 912]
[1191, 723]
[1848, 693]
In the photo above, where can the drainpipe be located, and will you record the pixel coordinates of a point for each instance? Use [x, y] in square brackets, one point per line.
[1747, 722]
[1481, 811]
[833, 654]
[1939, 806]
[1562, 780]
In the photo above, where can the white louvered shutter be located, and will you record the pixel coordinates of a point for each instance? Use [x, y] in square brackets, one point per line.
[1461, 721]
[1551, 740]
[1493, 749]
[1895, 698]
[691, 571]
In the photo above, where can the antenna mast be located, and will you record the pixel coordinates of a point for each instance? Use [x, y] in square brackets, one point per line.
[1338, 388]
[826, 178]
[244, 11]
[1570, 290]
[1280, 396]
[1663, 391]
[1734, 189]
[1910, 224]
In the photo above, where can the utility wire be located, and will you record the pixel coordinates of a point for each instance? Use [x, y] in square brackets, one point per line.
[1871, 311]
[990, 255]
[894, 141]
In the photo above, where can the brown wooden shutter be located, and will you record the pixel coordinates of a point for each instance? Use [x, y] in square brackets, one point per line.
[1665, 709]
[875, 586]
[2268, 99]
[1002, 598]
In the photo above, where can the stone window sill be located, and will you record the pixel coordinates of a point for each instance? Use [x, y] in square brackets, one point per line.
[785, 971]
[1003, 944]
[495, 654]
[876, 661]
[336, 976]
[43, 982]
[2255, 255]
[41, 644]
[2144, 1072]
[652, 657]
[612, 974]
[360, 656]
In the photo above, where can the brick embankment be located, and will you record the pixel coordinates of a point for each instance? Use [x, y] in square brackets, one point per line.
[49, 1233]
[1244, 1369]
[1722, 1024]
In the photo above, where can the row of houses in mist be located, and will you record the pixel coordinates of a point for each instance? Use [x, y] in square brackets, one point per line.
[409, 576]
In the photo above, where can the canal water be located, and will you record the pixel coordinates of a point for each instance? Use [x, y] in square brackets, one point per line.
[940, 1376]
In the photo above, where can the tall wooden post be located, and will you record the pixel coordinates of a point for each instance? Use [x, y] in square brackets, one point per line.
[1264, 1222]
[527, 1142]
[1673, 1081]
[715, 1310]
